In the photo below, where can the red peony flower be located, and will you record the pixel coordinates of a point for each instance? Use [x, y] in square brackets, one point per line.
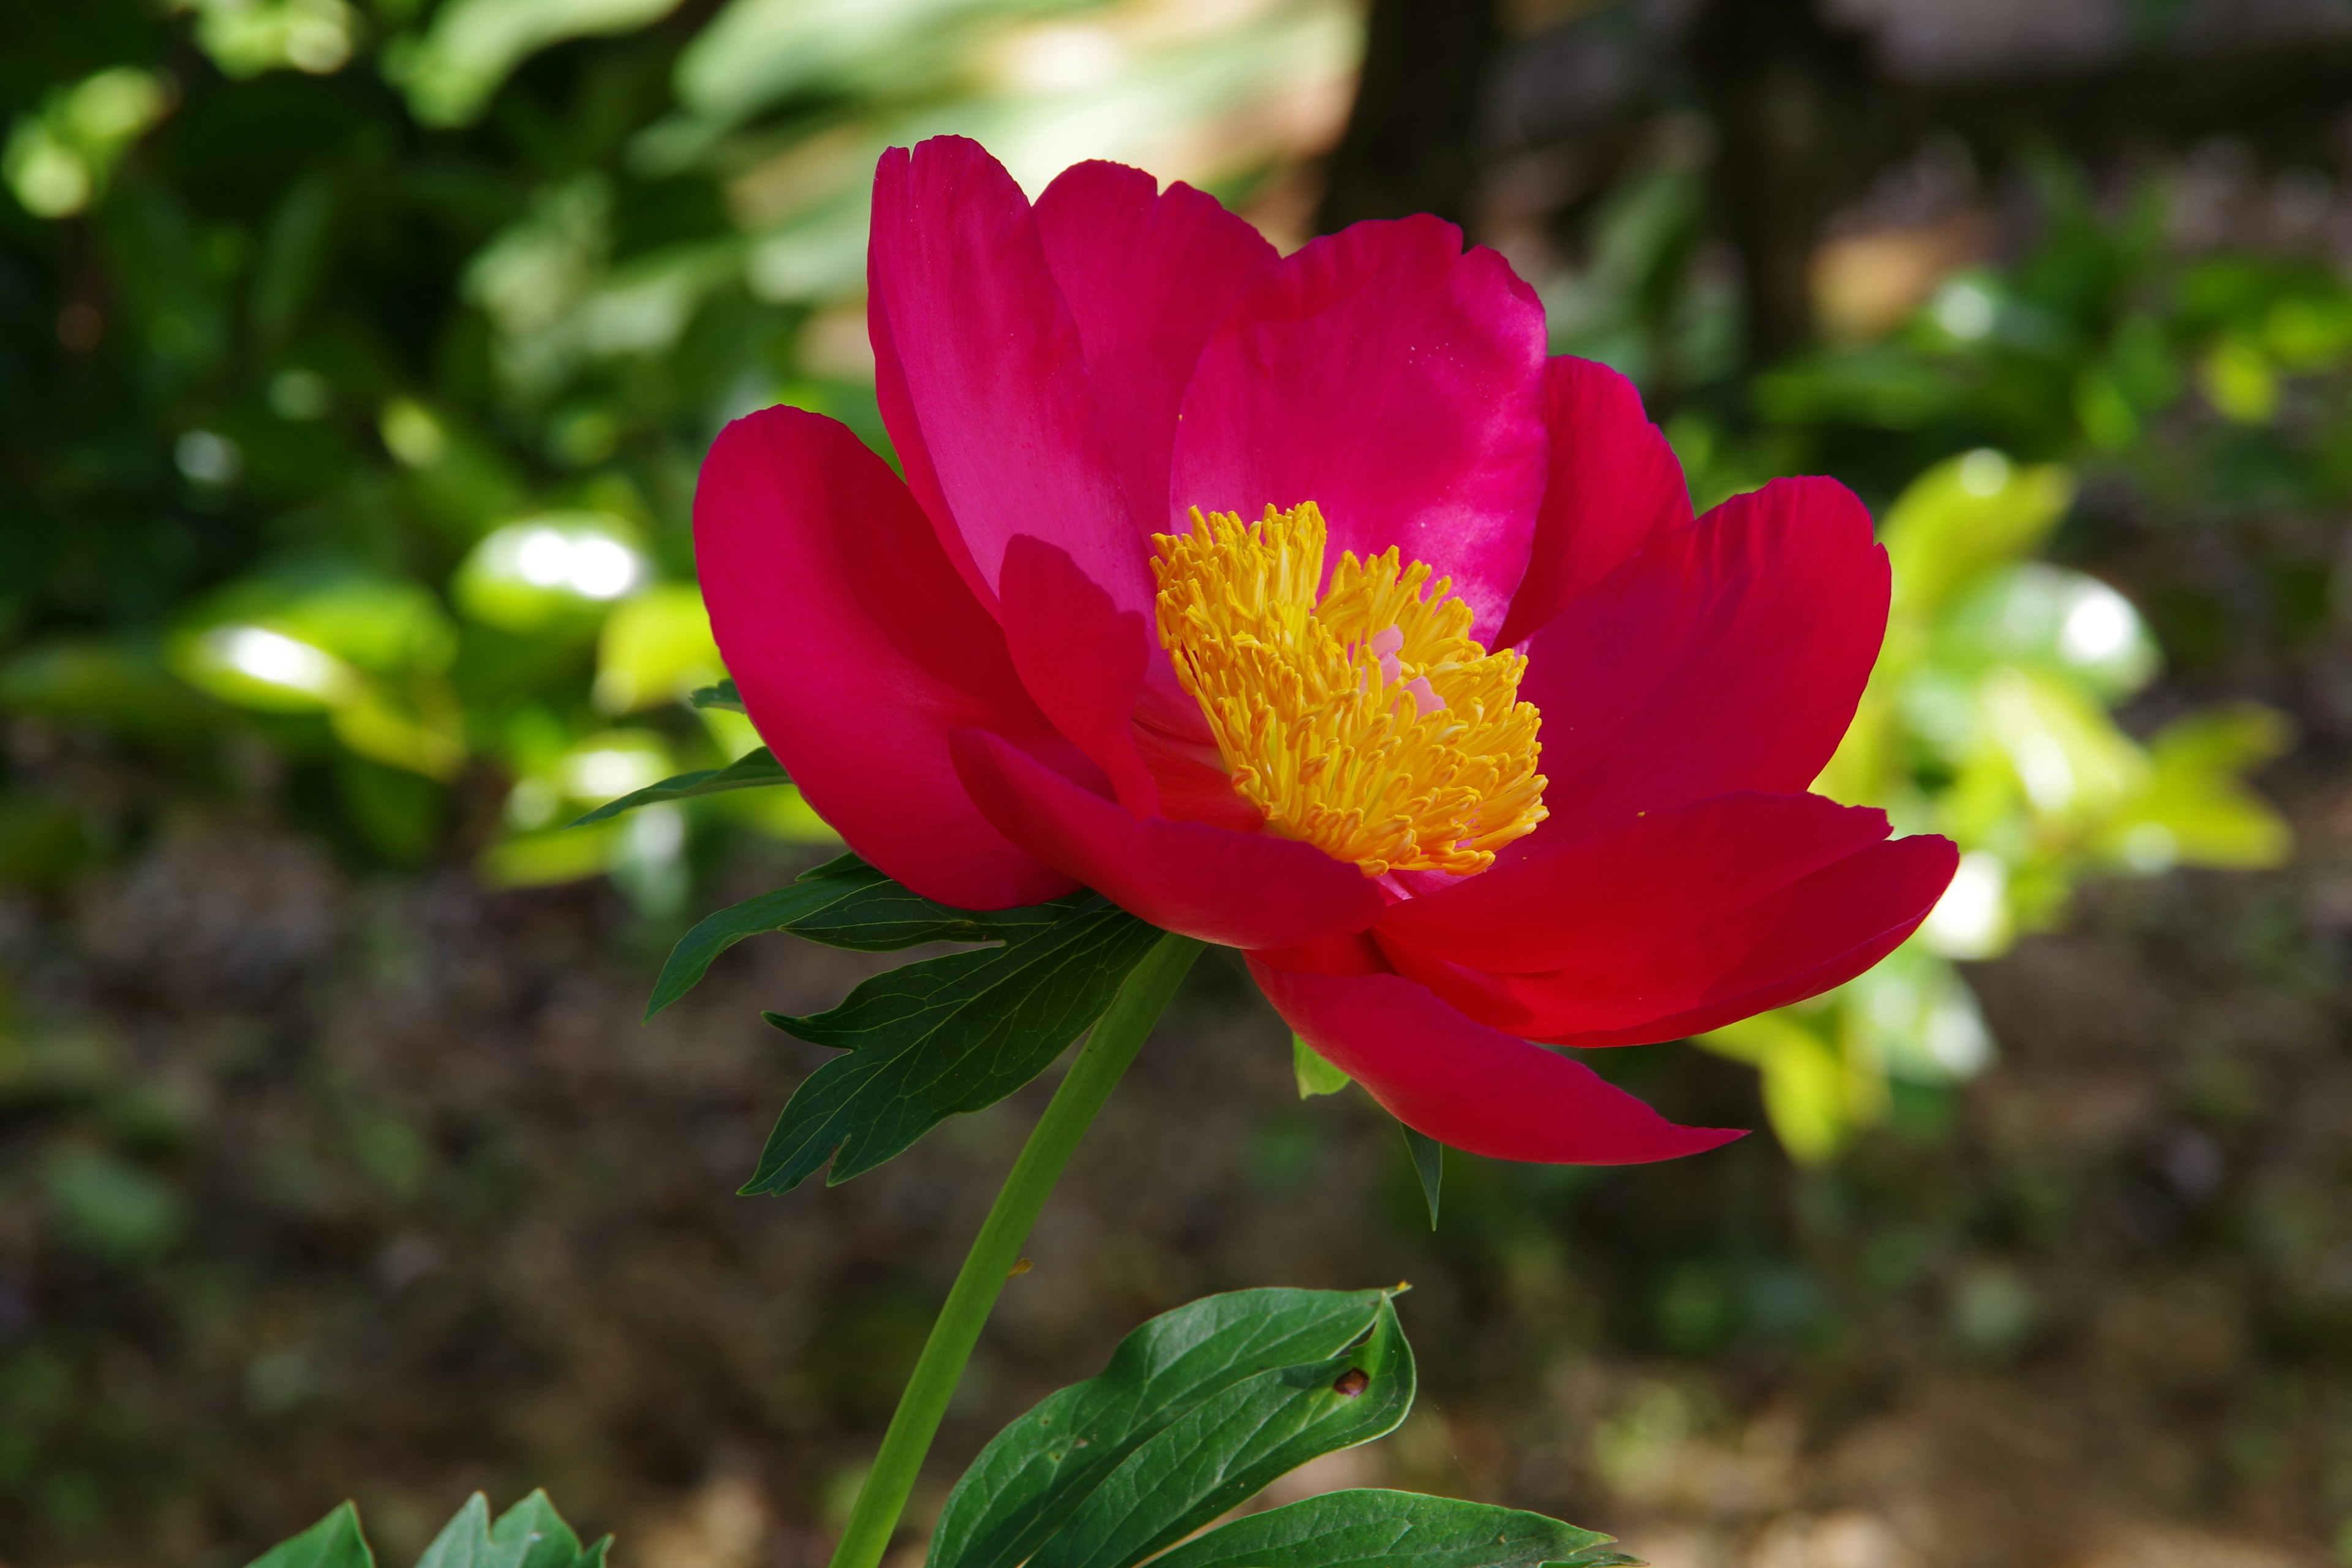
[1302, 605]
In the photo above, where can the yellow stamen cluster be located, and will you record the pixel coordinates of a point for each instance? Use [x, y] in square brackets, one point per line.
[1368, 724]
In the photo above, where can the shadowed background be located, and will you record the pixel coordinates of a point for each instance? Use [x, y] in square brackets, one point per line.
[355, 358]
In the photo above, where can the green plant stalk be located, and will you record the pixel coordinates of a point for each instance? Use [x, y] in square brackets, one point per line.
[1116, 1035]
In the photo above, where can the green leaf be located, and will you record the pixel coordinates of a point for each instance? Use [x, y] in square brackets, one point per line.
[334, 1541]
[1428, 1157]
[531, 1534]
[844, 903]
[953, 1033]
[722, 696]
[1315, 1074]
[1218, 1454]
[753, 770]
[1037, 1473]
[1371, 1529]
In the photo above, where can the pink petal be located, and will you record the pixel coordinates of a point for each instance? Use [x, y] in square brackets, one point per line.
[1469, 1086]
[1617, 897]
[1081, 659]
[857, 649]
[986, 392]
[1147, 274]
[1243, 890]
[1615, 485]
[1799, 942]
[1394, 382]
[1727, 656]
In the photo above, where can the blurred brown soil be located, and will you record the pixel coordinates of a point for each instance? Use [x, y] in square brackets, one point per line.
[448, 1217]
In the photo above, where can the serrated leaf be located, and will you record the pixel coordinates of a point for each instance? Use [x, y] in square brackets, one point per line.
[753, 770]
[1219, 1454]
[1315, 1074]
[531, 1534]
[1376, 1529]
[1037, 1473]
[844, 903]
[335, 1541]
[1428, 1157]
[722, 696]
[947, 1034]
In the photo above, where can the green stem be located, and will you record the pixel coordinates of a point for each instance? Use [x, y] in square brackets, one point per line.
[1117, 1037]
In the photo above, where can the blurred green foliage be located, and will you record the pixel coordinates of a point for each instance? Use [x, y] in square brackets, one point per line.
[358, 365]
[1988, 720]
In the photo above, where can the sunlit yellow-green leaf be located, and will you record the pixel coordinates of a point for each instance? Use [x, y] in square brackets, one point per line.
[783, 813]
[549, 569]
[450, 74]
[1963, 516]
[2308, 333]
[603, 766]
[426, 738]
[57, 159]
[1972, 919]
[541, 859]
[2071, 760]
[1815, 1103]
[265, 667]
[2197, 809]
[2045, 616]
[2239, 380]
[1914, 1016]
[1316, 1076]
[656, 647]
[246, 37]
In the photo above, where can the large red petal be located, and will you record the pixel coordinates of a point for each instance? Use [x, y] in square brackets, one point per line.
[1243, 890]
[1081, 658]
[987, 380]
[1615, 485]
[857, 648]
[1396, 382]
[1814, 934]
[1727, 656]
[1148, 275]
[1467, 1085]
[1617, 896]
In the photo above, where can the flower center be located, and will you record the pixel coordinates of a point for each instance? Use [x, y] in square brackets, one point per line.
[1368, 723]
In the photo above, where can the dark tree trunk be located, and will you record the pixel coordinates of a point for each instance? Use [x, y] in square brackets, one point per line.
[1804, 124]
[1410, 145]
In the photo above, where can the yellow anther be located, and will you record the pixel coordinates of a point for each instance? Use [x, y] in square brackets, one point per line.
[1368, 723]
